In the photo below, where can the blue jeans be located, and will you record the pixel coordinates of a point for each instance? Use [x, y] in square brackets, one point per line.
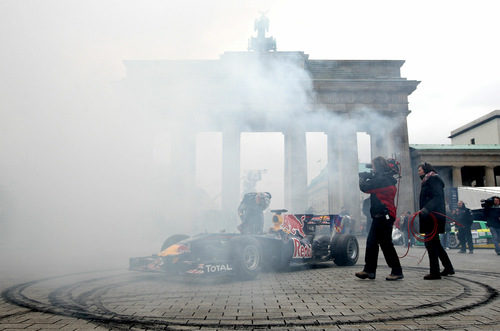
[444, 239]
[495, 232]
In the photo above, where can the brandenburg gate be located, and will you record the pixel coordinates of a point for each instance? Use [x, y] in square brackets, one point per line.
[337, 97]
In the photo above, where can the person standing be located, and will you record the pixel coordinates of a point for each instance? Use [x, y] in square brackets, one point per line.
[432, 209]
[251, 212]
[464, 219]
[381, 185]
[444, 238]
[409, 239]
[492, 215]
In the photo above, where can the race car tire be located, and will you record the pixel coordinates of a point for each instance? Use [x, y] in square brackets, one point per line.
[173, 240]
[246, 257]
[345, 249]
[286, 253]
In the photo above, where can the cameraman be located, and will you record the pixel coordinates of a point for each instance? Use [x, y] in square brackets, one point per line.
[492, 215]
[381, 185]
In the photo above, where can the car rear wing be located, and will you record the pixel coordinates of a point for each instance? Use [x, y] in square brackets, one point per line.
[332, 220]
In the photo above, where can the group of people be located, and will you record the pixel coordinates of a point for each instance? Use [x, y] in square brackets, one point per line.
[463, 217]
[381, 185]
[463, 222]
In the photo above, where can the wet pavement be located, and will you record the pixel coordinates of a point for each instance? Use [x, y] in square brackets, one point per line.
[324, 297]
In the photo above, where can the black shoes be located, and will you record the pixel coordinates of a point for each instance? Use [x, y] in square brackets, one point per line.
[447, 272]
[365, 275]
[371, 275]
[432, 277]
[394, 277]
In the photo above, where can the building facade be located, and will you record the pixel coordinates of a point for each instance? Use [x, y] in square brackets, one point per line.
[459, 165]
[482, 131]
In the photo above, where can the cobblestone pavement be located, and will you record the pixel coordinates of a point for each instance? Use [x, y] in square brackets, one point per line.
[325, 297]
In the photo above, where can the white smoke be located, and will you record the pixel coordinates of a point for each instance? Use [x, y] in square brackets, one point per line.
[87, 169]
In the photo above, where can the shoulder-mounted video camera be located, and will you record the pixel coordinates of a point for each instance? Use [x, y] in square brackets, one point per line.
[393, 168]
[488, 203]
[365, 175]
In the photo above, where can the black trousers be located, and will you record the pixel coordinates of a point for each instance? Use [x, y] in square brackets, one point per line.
[436, 252]
[381, 235]
[465, 237]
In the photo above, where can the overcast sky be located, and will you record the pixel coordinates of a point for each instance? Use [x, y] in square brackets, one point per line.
[64, 54]
[450, 46]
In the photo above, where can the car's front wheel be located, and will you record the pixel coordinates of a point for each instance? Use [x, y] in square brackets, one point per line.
[246, 257]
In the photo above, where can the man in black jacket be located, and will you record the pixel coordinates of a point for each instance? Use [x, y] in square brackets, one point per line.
[492, 215]
[381, 186]
[251, 212]
[463, 216]
[432, 220]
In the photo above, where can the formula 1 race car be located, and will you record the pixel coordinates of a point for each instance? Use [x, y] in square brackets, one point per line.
[300, 239]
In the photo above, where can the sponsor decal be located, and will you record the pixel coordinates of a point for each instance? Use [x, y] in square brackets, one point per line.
[217, 267]
[321, 218]
[198, 270]
[301, 250]
[155, 264]
[292, 225]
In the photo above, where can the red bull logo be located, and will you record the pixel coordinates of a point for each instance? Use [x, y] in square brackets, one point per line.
[301, 250]
[292, 225]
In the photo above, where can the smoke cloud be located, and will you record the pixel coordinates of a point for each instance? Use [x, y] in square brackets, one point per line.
[88, 173]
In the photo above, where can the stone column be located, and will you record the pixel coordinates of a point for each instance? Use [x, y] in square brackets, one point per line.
[457, 176]
[295, 171]
[184, 160]
[349, 178]
[400, 150]
[231, 176]
[489, 176]
[182, 179]
[334, 197]
[378, 144]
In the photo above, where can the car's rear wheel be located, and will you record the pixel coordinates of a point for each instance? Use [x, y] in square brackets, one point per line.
[173, 240]
[285, 256]
[345, 249]
[246, 257]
